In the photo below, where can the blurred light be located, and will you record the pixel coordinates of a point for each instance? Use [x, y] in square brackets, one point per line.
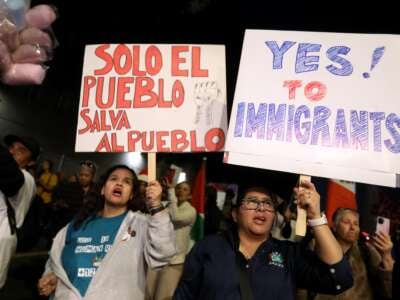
[135, 160]
[182, 177]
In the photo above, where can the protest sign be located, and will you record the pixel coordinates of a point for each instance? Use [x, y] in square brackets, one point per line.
[322, 104]
[152, 98]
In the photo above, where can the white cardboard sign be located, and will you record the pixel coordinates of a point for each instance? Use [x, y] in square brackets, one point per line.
[322, 104]
[152, 98]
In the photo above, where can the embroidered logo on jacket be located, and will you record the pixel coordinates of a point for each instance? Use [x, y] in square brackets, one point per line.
[276, 259]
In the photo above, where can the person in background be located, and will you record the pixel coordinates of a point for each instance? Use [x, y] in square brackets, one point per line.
[86, 175]
[246, 263]
[17, 189]
[371, 262]
[46, 182]
[285, 226]
[125, 243]
[162, 283]
[212, 214]
[68, 199]
[143, 179]
[226, 221]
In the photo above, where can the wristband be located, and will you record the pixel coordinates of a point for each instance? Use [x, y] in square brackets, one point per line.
[154, 210]
[317, 222]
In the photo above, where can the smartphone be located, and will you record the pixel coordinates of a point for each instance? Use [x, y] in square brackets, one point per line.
[383, 225]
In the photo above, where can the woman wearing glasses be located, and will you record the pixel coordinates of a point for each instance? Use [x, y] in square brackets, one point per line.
[246, 263]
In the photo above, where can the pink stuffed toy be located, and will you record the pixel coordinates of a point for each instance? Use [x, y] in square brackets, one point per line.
[25, 48]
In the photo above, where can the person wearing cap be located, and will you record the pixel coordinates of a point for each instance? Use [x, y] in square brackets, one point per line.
[247, 263]
[17, 189]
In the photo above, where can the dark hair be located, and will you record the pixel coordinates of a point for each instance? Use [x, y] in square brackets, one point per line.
[94, 201]
[185, 182]
[258, 189]
[50, 164]
[40, 169]
[91, 165]
[211, 196]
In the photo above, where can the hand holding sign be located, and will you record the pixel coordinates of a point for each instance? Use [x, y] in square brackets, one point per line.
[153, 194]
[308, 203]
[308, 199]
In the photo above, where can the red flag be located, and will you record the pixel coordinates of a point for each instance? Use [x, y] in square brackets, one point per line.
[199, 201]
[199, 189]
[340, 193]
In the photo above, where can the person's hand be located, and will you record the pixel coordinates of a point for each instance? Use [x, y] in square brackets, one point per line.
[166, 183]
[47, 284]
[153, 194]
[308, 199]
[382, 243]
[23, 51]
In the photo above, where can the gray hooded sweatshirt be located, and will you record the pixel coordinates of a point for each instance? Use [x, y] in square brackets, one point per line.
[141, 242]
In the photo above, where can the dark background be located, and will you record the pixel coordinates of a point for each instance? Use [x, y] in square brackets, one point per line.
[49, 111]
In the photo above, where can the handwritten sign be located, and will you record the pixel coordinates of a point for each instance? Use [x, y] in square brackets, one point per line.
[152, 98]
[323, 104]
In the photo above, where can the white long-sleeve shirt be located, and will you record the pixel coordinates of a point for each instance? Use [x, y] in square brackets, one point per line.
[183, 218]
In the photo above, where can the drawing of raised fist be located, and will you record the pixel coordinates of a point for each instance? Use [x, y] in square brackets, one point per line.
[205, 96]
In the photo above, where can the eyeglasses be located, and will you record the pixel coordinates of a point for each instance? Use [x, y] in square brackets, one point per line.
[88, 163]
[252, 203]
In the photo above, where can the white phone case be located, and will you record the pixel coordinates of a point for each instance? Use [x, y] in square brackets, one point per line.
[383, 225]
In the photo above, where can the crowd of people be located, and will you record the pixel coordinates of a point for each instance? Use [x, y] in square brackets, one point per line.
[127, 238]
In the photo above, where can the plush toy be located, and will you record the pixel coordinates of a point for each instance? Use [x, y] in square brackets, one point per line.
[25, 42]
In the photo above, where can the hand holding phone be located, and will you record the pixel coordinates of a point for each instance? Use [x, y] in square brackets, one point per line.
[383, 243]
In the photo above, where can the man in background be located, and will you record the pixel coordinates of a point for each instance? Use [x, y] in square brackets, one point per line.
[87, 172]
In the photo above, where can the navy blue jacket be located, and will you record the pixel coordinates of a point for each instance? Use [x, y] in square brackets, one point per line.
[275, 271]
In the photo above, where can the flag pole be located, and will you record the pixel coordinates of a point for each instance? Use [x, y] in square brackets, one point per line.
[151, 165]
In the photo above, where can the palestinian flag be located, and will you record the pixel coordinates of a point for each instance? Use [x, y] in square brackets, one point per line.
[198, 202]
